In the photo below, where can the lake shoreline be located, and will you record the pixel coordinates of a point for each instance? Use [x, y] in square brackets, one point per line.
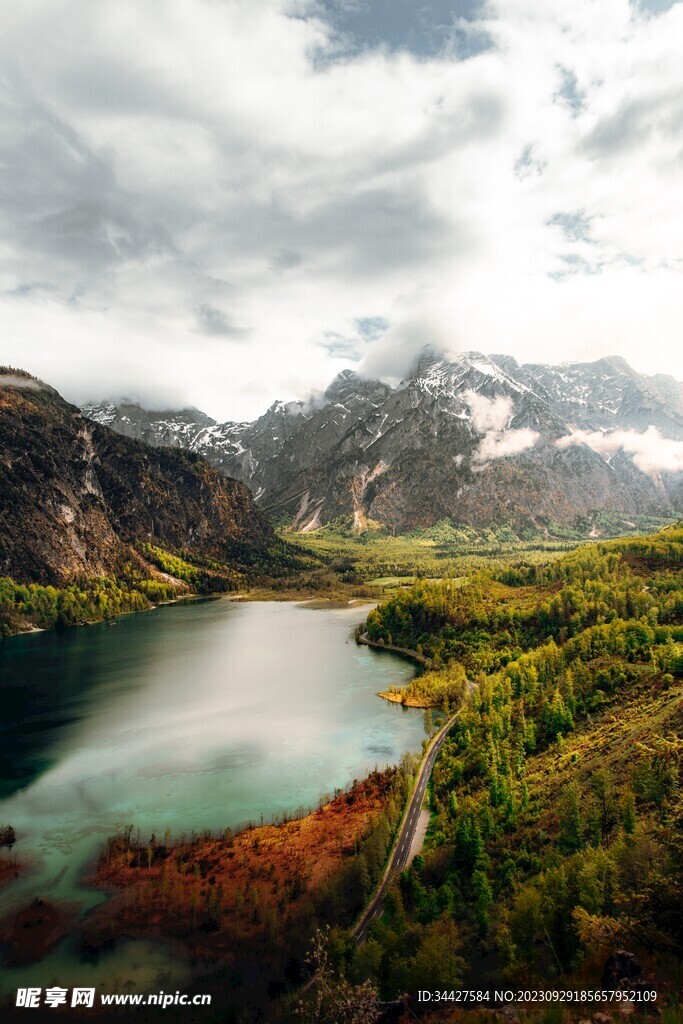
[174, 893]
[110, 620]
[417, 703]
[189, 644]
[305, 599]
[405, 652]
[398, 696]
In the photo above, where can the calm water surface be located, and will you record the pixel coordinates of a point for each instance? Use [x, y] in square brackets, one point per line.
[196, 715]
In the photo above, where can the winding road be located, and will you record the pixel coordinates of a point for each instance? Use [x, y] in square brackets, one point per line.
[398, 858]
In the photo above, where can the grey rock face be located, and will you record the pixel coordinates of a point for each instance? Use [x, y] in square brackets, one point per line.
[471, 437]
[608, 394]
[77, 498]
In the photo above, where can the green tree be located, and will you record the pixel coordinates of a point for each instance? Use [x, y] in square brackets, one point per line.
[656, 779]
[571, 826]
[628, 813]
[602, 787]
[438, 963]
[483, 898]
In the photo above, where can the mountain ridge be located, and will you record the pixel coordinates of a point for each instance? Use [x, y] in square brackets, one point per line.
[480, 439]
[77, 499]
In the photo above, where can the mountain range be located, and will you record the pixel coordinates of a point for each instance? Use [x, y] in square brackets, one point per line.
[77, 499]
[480, 440]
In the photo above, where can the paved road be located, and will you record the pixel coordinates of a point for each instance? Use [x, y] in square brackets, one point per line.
[401, 850]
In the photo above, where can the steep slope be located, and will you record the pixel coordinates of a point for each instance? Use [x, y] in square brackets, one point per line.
[607, 393]
[74, 495]
[555, 838]
[472, 437]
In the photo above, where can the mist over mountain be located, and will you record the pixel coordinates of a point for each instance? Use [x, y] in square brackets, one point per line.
[478, 439]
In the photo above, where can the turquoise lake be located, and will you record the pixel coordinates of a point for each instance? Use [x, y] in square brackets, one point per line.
[197, 715]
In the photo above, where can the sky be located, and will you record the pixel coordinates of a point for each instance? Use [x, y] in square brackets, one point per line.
[224, 202]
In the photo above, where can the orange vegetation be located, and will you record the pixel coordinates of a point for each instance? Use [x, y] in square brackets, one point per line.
[213, 893]
[398, 697]
[9, 870]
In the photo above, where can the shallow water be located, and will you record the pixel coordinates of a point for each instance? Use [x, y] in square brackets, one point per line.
[191, 716]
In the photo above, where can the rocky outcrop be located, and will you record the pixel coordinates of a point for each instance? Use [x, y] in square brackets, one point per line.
[74, 495]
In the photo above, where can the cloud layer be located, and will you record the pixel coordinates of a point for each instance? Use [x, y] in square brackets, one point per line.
[252, 173]
[651, 452]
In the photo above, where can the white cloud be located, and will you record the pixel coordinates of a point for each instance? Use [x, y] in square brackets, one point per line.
[218, 167]
[491, 416]
[489, 413]
[651, 452]
[500, 444]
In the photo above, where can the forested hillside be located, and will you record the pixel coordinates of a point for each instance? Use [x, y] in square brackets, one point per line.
[556, 829]
[75, 497]
[93, 524]
[489, 618]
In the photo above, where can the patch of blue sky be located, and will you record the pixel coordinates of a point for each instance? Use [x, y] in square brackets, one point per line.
[340, 347]
[657, 6]
[426, 29]
[372, 327]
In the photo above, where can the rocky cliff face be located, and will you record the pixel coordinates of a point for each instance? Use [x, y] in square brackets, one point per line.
[476, 438]
[607, 394]
[74, 495]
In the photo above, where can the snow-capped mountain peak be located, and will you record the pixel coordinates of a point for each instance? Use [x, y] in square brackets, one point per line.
[472, 437]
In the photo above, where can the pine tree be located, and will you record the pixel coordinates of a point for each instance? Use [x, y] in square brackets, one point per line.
[571, 826]
[483, 898]
[628, 813]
